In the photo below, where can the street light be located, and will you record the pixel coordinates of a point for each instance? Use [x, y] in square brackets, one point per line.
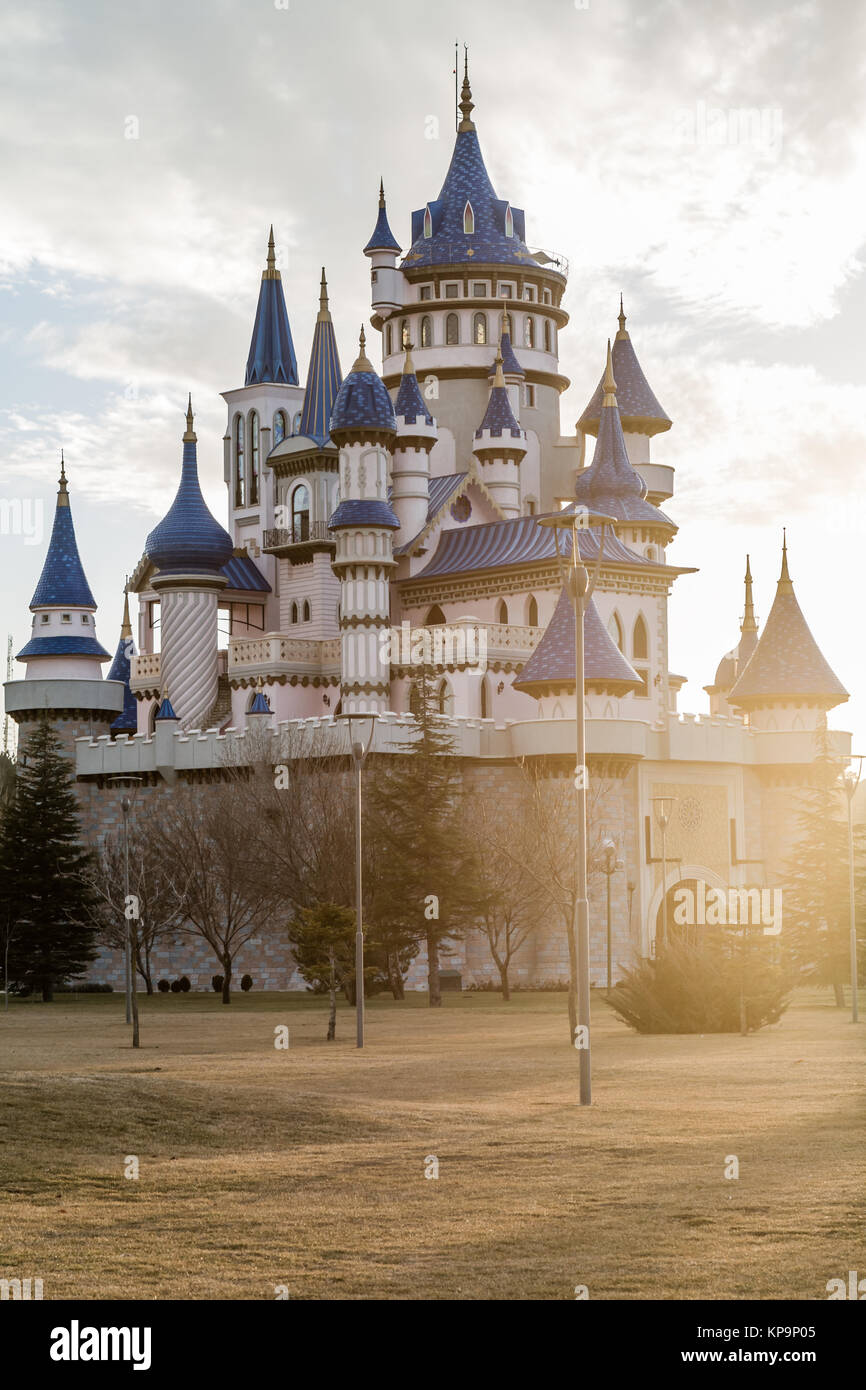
[663, 807]
[359, 750]
[126, 805]
[579, 585]
[849, 781]
[610, 864]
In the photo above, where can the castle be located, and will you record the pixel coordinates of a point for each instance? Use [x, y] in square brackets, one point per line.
[360, 504]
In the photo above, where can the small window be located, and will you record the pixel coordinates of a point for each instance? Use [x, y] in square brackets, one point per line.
[545, 296]
[479, 290]
[46, 617]
[296, 423]
[426, 331]
[640, 640]
[485, 699]
[446, 699]
[452, 329]
[468, 220]
[254, 457]
[548, 337]
[530, 506]
[502, 611]
[506, 291]
[532, 612]
[85, 618]
[426, 292]
[279, 426]
[435, 617]
[529, 293]
[294, 612]
[509, 222]
[306, 610]
[240, 464]
[452, 291]
[404, 335]
[529, 396]
[479, 328]
[66, 617]
[614, 627]
[389, 340]
[301, 514]
[529, 331]
[428, 223]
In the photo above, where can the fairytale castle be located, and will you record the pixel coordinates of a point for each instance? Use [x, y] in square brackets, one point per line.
[362, 503]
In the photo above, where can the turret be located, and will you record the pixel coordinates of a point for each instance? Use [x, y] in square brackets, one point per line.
[127, 721]
[733, 663]
[512, 371]
[363, 427]
[383, 250]
[188, 549]
[500, 444]
[410, 465]
[549, 674]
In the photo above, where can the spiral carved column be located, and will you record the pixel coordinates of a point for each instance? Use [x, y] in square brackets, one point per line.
[189, 671]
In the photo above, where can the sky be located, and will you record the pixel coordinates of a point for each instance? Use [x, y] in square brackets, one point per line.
[706, 159]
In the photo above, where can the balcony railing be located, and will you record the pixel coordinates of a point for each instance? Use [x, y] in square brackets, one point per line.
[274, 650]
[279, 537]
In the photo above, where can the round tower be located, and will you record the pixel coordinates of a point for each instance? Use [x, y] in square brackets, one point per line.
[383, 249]
[363, 427]
[189, 549]
[410, 465]
[500, 445]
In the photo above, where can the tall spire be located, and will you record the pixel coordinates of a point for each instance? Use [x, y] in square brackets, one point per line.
[63, 491]
[190, 436]
[126, 625]
[189, 540]
[622, 333]
[381, 192]
[272, 352]
[609, 381]
[383, 238]
[127, 721]
[63, 580]
[324, 375]
[748, 624]
[784, 585]
[362, 362]
[466, 103]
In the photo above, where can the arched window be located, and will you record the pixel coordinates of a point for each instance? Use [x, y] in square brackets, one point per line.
[509, 221]
[530, 506]
[468, 220]
[614, 627]
[548, 337]
[414, 700]
[280, 426]
[306, 610]
[389, 339]
[428, 222]
[404, 335]
[532, 612]
[502, 611]
[479, 328]
[296, 423]
[446, 699]
[426, 331]
[529, 332]
[294, 612]
[485, 699]
[301, 513]
[240, 464]
[254, 457]
[434, 616]
[640, 641]
[452, 329]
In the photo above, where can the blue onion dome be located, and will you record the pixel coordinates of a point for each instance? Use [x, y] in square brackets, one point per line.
[409, 404]
[383, 239]
[363, 408]
[189, 540]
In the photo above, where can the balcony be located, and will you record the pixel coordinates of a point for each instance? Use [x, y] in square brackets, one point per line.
[277, 655]
[280, 540]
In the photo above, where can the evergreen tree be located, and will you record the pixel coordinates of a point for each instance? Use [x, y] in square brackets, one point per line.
[323, 944]
[45, 902]
[816, 909]
[423, 870]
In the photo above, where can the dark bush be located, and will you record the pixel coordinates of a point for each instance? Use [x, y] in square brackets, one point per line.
[175, 986]
[246, 982]
[217, 984]
[83, 987]
[184, 984]
[163, 986]
[703, 988]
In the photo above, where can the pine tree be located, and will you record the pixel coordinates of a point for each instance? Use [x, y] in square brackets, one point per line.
[323, 944]
[816, 897]
[45, 901]
[423, 870]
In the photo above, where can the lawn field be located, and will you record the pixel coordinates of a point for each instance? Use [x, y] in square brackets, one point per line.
[305, 1167]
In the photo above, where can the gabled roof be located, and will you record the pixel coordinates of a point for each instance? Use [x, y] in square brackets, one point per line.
[272, 352]
[324, 376]
[467, 181]
[553, 661]
[383, 239]
[787, 663]
[63, 580]
[639, 408]
[517, 541]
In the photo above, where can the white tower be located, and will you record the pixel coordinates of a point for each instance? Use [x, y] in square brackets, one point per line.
[500, 444]
[410, 466]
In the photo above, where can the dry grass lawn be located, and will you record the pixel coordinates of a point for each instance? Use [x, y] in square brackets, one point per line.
[305, 1167]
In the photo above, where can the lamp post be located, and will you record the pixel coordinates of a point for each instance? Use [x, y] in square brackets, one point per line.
[849, 780]
[359, 750]
[579, 585]
[663, 807]
[610, 864]
[126, 804]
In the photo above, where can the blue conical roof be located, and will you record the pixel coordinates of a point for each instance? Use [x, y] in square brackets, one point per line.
[62, 580]
[260, 704]
[127, 720]
[165, 710]
[324, 377]
[639, 408]
[410, 403]
[272, 352]
[383, 239]
[554, 659]
[362, 401]
[188, 540]
[499, 417]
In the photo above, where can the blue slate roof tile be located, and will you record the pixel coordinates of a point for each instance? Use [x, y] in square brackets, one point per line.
[323, 378]
[119, 670]
[517, 541]
[499, 417]
[272, 352]
[410, 403]
[553, 661]
[363, 511]
[63, 580]
[189, 540]
[62, 646]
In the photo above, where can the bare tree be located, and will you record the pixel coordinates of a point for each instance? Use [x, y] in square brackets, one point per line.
[157, 913]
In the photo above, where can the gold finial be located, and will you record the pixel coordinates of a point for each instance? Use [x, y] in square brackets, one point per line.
[189, 435]
[748, 624]
[408, 365]
[504, 321]
[271, 272]
[467, 105]
[381, 192]
[622, 333]
[784, 585]
[126, 625]
[63, 493]
[324, 311]
[362, 364]
[609, 383]
[498, 378]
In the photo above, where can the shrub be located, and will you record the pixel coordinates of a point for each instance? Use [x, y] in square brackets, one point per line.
[175, 986]
[217, 984]
[83, 987]
[700, 989]
[246, 982]
[184, 984]
[163, 986]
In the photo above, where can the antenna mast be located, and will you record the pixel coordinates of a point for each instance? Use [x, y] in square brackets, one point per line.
[9, 674]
